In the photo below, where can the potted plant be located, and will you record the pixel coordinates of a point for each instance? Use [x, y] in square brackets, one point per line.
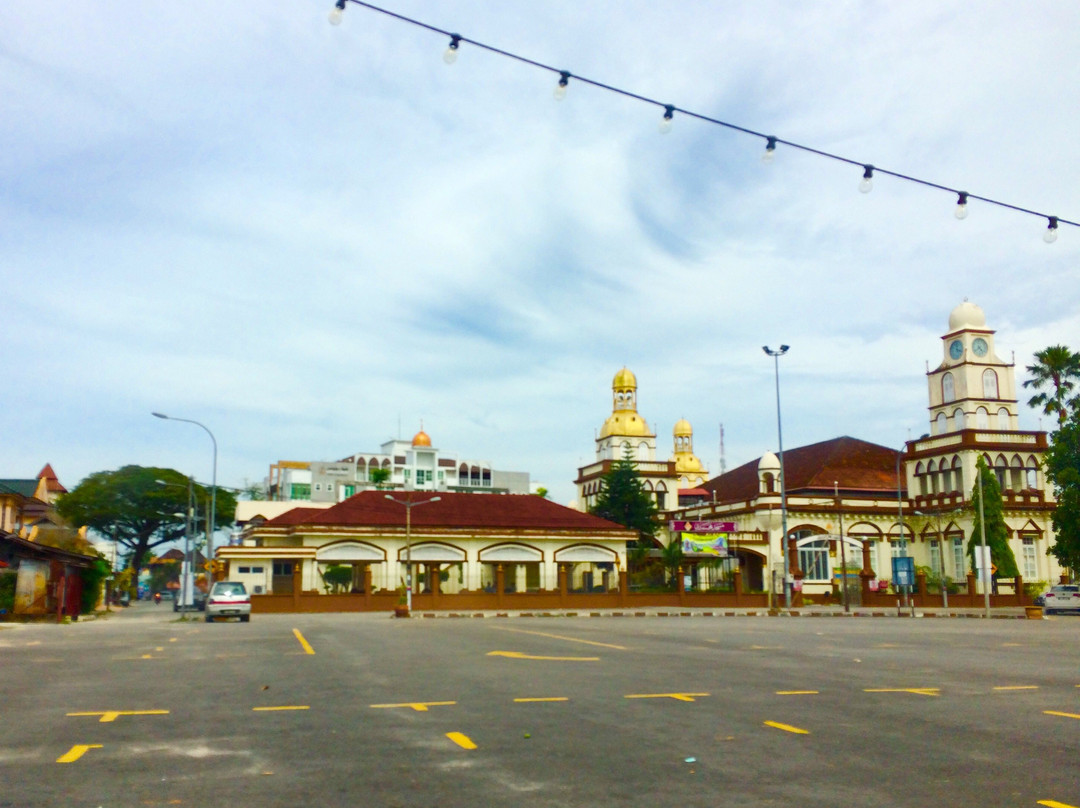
[402, 607]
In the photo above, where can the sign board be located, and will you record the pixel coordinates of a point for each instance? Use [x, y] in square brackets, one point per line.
[713, 544]
[903, 571]
[983, 565]
[701, 527]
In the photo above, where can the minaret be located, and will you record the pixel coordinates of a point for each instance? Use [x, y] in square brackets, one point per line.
[689, 468]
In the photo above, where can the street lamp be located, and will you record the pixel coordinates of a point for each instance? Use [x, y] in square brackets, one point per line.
[213, 492]
[783, 478]
[409, 505]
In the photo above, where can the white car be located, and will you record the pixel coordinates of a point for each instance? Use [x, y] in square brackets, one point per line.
[1065, 597]
[228, 599]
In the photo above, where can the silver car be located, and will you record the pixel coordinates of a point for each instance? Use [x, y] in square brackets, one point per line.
[228, 599]
[1065, 597]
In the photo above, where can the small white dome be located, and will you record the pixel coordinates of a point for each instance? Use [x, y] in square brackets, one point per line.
[768, 462]
[966, 315]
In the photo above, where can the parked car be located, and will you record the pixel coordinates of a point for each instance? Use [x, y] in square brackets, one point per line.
[1062, 598]
[198, 601]
[228, 599]
[166, 595]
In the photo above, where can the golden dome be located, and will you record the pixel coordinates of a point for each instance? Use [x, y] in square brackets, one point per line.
[624, 379]
[685, 463]
[625, 422]
[421, 438]
[682, 427]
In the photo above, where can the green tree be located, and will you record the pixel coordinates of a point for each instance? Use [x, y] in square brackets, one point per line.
[131, 507]
[1063, 469]
[380, 477]
[997, 532]
[672, 558]
[162, 574]
[624, 500]
[1055, 375]
[542, 492]
[337, 578]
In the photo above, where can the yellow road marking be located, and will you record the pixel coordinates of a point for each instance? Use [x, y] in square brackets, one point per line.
[419, 706]
[549, 698]
[766, 648]
[886, 645]
[560, 637]
[1012, 645]
[1065, 715]
[796, 692]
[34, 642]
[76, 752]
[920, 691]
[287, 707]
[172, 639]
[160, 648]
[303, 643]
[1054, 804]
[464, 741]
[146, 656]
[519, 655]
[1017, 687]
[108, 716]
[786, 727]
[676, 696]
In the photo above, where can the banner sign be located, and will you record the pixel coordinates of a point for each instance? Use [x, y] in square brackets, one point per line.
[713, 544]
[702, 527]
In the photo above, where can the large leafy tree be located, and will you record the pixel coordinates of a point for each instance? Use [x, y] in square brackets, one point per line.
[133, 507]
[993, 515]
[1063, 469]
[1055, 375]
[623, 499]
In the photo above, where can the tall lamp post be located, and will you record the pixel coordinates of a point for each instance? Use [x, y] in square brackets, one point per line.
[409, 505]
[213, 494]
[783, 349]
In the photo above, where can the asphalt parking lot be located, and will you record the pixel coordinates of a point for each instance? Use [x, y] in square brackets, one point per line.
[143, 709]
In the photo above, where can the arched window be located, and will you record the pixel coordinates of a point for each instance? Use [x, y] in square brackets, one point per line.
[1016, 473]
[982, 418]
[1003, 419]
[990, 384]
[661, 496]
[958, 419]
[643, 451]
[941, 424]
[1000, 468]
[920, 487]
[814, 559]
[958, 475]
[768, 483]
[1031, 470]
[948, 388]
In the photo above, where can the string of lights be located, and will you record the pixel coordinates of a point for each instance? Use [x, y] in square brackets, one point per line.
[667, 120]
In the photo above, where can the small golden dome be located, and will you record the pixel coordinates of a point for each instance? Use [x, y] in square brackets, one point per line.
[683, 428]
[624, 379]
[421, 438]
[686, 463]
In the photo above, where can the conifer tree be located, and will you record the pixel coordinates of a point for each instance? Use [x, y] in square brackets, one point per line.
[997, 532]
[624, 500]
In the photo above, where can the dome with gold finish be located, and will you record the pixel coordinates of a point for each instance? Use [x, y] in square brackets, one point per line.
[683, 428]
[421, 438]
[624, 419]
[624, 379]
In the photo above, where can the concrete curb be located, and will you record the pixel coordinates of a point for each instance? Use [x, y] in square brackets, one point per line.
[741, 613]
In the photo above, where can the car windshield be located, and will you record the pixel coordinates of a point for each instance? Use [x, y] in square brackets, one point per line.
[229, 589]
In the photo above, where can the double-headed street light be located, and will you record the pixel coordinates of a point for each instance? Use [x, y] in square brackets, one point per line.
[213, 493]
[783, 349]
[409, 505]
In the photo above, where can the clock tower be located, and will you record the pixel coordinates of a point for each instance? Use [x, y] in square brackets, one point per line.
[972, 388]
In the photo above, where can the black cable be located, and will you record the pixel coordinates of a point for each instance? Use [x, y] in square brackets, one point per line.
[770, 140]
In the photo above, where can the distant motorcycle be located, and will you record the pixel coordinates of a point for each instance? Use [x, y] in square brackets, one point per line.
[157, 597]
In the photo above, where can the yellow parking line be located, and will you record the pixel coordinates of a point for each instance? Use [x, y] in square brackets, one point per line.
[1064, 715]
[419, 706]
[1054, 804]
[1017, 687]
[796, 692]
[549, 698]
[284, 707]
[464, 741]
[77, 752]
[920, 691]
[108, 716]
[676, 696]
[560, 637]
[786, 727]
[303, 643]
[519, 655]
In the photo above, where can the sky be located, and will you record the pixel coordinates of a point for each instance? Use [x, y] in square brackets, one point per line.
[312, 239]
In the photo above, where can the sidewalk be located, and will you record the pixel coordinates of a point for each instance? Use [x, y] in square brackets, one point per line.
[1001, 613]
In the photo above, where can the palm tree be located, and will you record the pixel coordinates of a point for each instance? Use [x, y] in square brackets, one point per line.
[1058, 368]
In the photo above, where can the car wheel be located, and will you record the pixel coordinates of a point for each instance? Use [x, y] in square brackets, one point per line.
[245, 618]
[209, 619]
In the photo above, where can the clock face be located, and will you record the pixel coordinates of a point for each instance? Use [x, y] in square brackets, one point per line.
[956, 349]
[979, 346]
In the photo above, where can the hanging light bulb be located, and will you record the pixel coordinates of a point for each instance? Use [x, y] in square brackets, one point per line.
[770, 150]
[866, 184]
[1050, 234]
[450, 55]
[561, 87]
[336, 12]
[668, 119]
[961, 211]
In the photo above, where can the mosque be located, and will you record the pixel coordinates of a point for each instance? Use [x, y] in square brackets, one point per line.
[851, 505]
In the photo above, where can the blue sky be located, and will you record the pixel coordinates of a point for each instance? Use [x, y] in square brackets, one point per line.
[304, 235]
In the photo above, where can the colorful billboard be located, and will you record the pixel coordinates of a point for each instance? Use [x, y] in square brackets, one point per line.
[712, 544]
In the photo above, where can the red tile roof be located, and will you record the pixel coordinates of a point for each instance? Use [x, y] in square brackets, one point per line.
[853, 464]
[52, 482]
[452, 510]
